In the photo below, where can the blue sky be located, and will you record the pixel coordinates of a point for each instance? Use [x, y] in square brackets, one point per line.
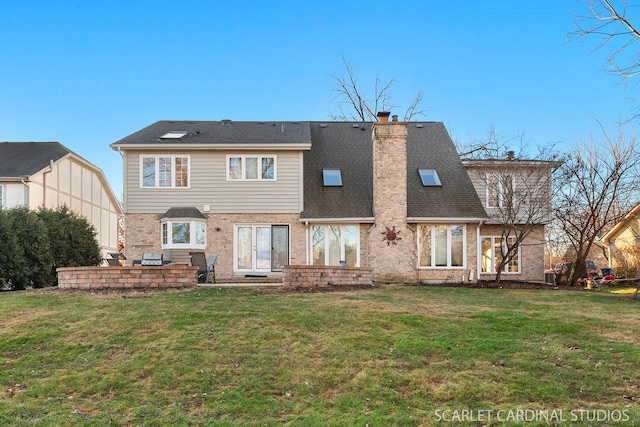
[87, 73]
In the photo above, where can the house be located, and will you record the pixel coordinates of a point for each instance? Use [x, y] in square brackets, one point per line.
[36, 174]
[622, 243]
[389, 195]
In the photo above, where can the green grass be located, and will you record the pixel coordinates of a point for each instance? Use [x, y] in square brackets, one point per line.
[391, 356]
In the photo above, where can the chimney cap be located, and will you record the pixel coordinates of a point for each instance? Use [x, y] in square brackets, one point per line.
[383, 116]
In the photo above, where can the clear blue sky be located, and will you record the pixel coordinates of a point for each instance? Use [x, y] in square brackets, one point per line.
[87, 73]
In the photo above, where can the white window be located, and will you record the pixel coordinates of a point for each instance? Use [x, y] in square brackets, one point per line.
[499, 190]
[335, 245]
[1, 198]
[251, 168]
[441, 246]
[493, 250]
[183, 234]
[164, 171]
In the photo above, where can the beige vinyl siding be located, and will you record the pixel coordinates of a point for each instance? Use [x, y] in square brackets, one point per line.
[208, 185]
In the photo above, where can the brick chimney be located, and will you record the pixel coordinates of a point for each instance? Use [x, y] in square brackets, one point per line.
[391, 243]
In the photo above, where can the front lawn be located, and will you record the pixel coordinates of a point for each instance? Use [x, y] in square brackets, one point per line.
[393, 355]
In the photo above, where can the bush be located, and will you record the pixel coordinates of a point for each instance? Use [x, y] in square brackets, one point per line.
[32, 265]
[34, 244]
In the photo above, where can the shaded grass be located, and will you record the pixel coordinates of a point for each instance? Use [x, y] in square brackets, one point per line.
[388, 356]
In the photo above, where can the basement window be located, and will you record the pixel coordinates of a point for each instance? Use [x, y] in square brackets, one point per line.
[429, 178]
[332, 177]
[174, 134]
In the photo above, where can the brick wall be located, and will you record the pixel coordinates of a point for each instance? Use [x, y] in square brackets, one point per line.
[309, 276]
[391, 244]
[128, 277]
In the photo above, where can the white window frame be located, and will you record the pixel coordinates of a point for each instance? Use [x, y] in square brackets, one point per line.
[197, 229]
[496, 180]
[243, 162]
[433, 253]
[2, 196]
[173, 176]
[327, 255]
[507, 266]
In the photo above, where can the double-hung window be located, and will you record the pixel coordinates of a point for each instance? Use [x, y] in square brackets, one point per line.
[164, 171]
[493, 250]
[333, 244]
[187, 234]
[499, 190]
[251, 168]
[441, 246]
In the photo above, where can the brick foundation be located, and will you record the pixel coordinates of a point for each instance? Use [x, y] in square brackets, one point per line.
[128, 277]
[309, 276]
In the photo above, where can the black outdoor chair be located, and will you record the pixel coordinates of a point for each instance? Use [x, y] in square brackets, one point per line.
[206, 266]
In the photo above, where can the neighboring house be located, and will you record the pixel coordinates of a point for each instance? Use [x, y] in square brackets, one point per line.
[389, 195]
[623, 245]
[35, 174]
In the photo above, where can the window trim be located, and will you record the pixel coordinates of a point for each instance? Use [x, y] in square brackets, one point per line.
[260, 158]
[493, 238]
[156, 158]
[2, 194]
[449, 247]
[166, 234]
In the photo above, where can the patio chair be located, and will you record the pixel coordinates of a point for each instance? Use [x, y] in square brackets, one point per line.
[198, 259]
[211, 268]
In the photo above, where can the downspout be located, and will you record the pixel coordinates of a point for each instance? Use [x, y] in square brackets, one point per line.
[307, 252]
[478, 250]
[44, 183]
[26, 190]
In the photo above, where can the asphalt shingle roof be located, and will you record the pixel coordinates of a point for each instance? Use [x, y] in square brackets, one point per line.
[23, 159]
[220, 132]
[348, 146]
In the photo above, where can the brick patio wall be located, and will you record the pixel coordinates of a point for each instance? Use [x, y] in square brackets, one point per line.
[309, 276]
[128, 277]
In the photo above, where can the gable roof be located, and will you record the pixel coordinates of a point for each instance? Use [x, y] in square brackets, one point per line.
[219, 133]
[23, 159]
[429, 146]
[348, 146]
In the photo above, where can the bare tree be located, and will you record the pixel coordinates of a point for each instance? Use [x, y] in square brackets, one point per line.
[355, 105]
[595, 188]
[612, 21]
[518, 205]
[494, 146]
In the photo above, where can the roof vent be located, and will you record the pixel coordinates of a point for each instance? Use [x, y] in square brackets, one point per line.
[323, 125]
[355, 125]
[225, 121]
[419, 125]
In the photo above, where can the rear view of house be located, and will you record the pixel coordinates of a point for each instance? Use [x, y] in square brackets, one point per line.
[35, 174]
[389, 195]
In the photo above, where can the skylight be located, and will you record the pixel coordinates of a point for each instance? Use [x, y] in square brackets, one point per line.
[332, 177]
[429, 177]
[174, 134]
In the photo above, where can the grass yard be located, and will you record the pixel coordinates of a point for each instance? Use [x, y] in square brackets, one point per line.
[390, 356]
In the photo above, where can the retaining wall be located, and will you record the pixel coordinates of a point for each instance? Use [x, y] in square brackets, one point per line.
[129, 277]
[309, 276]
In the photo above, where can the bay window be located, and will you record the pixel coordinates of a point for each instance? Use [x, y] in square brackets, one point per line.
[183, 234]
